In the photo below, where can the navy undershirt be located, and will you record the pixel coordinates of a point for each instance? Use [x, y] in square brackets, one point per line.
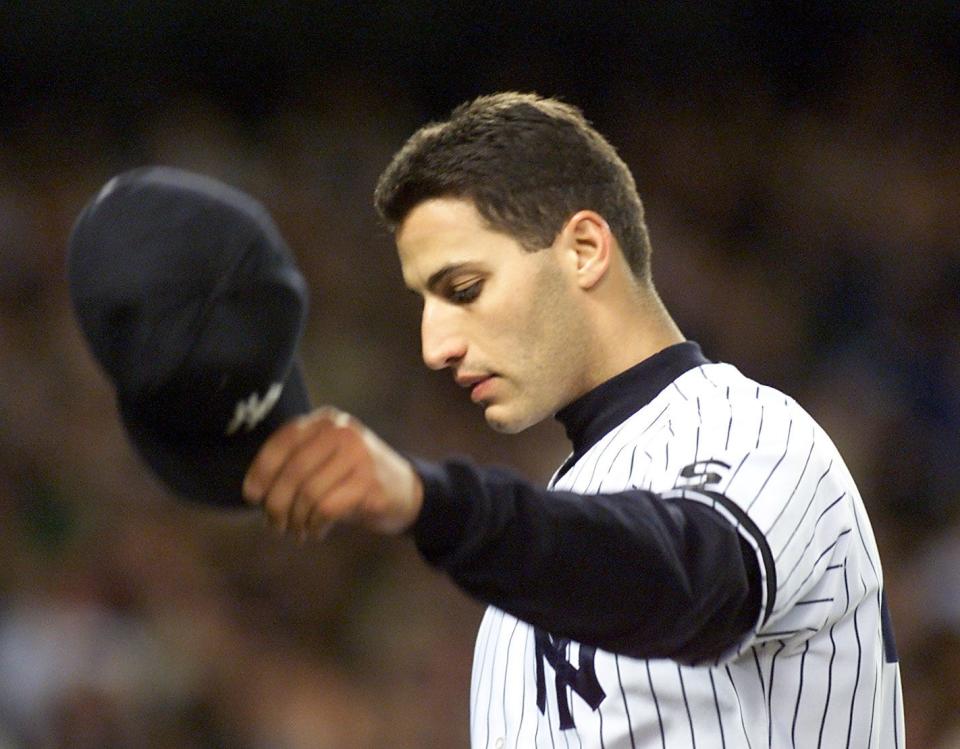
[630, 572]
[611, 403]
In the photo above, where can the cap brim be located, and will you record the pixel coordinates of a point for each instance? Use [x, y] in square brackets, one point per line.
[211, 471]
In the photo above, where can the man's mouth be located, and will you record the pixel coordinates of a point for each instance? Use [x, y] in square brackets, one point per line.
[479, 385]
[481, 391]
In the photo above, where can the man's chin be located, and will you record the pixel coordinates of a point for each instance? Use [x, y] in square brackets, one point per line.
[501, 420]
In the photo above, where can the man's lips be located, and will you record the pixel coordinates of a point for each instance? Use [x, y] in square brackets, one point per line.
[479, 385]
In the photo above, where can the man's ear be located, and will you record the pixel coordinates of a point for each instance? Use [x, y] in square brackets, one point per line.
[589, 243]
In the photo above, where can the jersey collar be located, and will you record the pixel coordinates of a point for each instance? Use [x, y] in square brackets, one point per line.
[594, 414]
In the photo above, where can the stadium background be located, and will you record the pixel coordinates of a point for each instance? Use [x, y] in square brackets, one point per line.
[799, 163]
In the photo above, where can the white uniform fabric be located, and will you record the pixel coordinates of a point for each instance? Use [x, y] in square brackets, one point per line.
[818, 670]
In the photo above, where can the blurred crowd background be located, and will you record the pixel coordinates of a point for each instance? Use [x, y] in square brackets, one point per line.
[800, 165]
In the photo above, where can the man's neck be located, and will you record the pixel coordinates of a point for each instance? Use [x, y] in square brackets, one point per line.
[629, 333]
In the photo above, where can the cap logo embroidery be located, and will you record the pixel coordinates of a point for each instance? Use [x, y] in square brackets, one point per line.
[252, 410]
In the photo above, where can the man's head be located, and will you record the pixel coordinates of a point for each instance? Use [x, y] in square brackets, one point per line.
[528, 164]
[521, 229]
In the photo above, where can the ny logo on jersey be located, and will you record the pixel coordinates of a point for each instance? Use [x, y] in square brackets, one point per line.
[701, 474]
[252, 410]
[581, 680]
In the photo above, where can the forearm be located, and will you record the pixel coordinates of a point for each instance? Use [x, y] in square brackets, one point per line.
[627, 572]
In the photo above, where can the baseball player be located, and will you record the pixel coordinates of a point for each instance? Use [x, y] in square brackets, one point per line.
[701, 570]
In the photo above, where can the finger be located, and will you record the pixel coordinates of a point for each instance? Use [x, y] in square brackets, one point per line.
[283, 496]
[274, 453]
[321, 533]
[317, 455]
[342, 503]
[314, 486]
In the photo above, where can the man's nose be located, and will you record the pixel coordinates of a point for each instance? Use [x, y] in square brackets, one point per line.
[443, 345]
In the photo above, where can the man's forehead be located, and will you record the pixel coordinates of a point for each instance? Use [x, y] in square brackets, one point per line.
[439, 216]
[438, 235]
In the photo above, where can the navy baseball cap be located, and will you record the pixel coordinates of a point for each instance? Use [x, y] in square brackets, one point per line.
[192, 303]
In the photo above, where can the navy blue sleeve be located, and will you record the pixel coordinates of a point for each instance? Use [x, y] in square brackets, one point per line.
[630, 572]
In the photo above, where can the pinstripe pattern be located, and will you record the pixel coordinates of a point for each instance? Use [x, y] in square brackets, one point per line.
[812, 674]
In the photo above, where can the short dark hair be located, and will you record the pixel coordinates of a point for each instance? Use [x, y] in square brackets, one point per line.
[527, 163]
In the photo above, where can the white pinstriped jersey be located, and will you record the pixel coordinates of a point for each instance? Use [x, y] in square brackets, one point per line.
[817, 670]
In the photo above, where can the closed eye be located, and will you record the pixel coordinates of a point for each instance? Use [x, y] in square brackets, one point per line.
[467, 293]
